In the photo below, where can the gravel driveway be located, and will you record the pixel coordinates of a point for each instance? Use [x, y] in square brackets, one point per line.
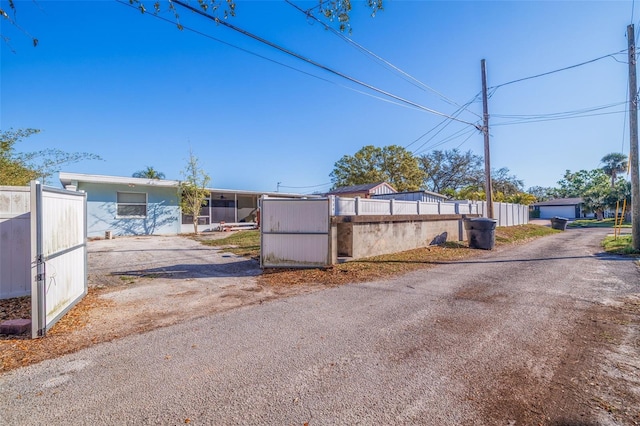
[543, 333]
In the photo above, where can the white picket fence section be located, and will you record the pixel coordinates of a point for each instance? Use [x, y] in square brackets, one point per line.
[507, 214]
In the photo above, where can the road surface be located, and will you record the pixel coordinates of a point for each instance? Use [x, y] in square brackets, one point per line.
[508, 338]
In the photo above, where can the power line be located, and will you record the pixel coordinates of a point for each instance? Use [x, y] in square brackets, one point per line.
[408, 77]
[611, 55]
[559, 114]
[183, 27]
[304, 187]
[316, 64]
[508, 123]
[444, 123]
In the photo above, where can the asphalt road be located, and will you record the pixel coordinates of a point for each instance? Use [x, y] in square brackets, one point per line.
[458, 344]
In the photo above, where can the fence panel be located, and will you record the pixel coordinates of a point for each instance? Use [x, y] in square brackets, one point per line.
[345, 206]
[429, 207]
[15, 241]
[369, 206]
[59, 252]
[447, 208]
[295, 232]
[405, 207]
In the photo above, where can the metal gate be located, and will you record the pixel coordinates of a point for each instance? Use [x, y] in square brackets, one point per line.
[58, 254]
[294, 233]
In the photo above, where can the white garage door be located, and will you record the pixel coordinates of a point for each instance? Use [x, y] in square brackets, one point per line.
[547, 212]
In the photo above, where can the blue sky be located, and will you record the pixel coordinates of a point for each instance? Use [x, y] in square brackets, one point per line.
[135, 90]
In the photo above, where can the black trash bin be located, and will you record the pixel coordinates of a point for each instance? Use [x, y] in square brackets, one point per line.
[559, 223]
[481, 232]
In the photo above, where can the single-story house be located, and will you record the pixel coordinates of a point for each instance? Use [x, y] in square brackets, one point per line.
[141, 206]
[367, 190]
[570, 208]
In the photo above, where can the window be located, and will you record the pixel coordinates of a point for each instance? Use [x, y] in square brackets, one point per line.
[132, 204]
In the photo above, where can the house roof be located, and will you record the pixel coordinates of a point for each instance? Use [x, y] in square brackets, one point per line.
[70, 178]
[73, 178]
[366, 187]
[560, 202]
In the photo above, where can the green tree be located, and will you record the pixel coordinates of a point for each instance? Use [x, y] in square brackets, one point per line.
[502, 181]
[543, 193]
[523, 198]
[614, 163]
[18, 168]
[193, 190]
[148, 173]
[392, 164]
[13, 170]
[576, 184]
[596, 198]
[447, 171]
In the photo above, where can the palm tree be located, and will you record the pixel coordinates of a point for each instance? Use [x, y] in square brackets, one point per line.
[149, 173]
[614, 163]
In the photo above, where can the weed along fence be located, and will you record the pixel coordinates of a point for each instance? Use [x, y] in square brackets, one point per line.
[319, 231]
[43, 250]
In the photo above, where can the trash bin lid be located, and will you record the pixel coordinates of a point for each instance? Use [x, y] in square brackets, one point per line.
[480, 223]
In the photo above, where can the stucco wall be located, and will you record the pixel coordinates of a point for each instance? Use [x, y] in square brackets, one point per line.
[365, 238]
[163, 210]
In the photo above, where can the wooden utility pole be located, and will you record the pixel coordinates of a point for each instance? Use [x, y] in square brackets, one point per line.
[485, 131]
[633, 141]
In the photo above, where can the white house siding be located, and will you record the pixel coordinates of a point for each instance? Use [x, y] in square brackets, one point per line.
[163, 210]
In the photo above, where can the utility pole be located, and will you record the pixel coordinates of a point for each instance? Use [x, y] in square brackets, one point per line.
[633, 141]
[485, 131]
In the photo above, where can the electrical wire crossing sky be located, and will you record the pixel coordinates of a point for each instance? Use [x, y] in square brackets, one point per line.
[273, 97]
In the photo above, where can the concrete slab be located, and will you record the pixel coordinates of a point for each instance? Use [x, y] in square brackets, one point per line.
[15, 326]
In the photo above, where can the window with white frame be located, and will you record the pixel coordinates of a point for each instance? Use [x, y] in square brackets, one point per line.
[132, 204]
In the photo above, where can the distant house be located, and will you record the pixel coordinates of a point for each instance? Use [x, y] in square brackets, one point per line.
[140, 206]
[367, 190]
[570, 208]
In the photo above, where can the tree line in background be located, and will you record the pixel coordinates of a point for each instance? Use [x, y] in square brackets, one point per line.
[456, 174]
[460, 175]
[600, 189]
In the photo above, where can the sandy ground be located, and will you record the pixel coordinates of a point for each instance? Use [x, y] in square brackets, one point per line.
[156, 281]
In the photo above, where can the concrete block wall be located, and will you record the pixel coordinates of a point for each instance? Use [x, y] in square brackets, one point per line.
[359, 237]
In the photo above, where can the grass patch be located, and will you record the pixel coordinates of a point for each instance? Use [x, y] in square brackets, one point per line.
[242, 243]
[621, 245]
[522, 233]
[594, 223]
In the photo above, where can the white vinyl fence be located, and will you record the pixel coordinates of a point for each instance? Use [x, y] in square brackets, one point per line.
[507, 214]
[297, 232]
[43, 250]
[15, 243]
[294, 233]
[58, 252]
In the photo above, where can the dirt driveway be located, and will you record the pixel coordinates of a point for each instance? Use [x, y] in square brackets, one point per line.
[153, 281]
